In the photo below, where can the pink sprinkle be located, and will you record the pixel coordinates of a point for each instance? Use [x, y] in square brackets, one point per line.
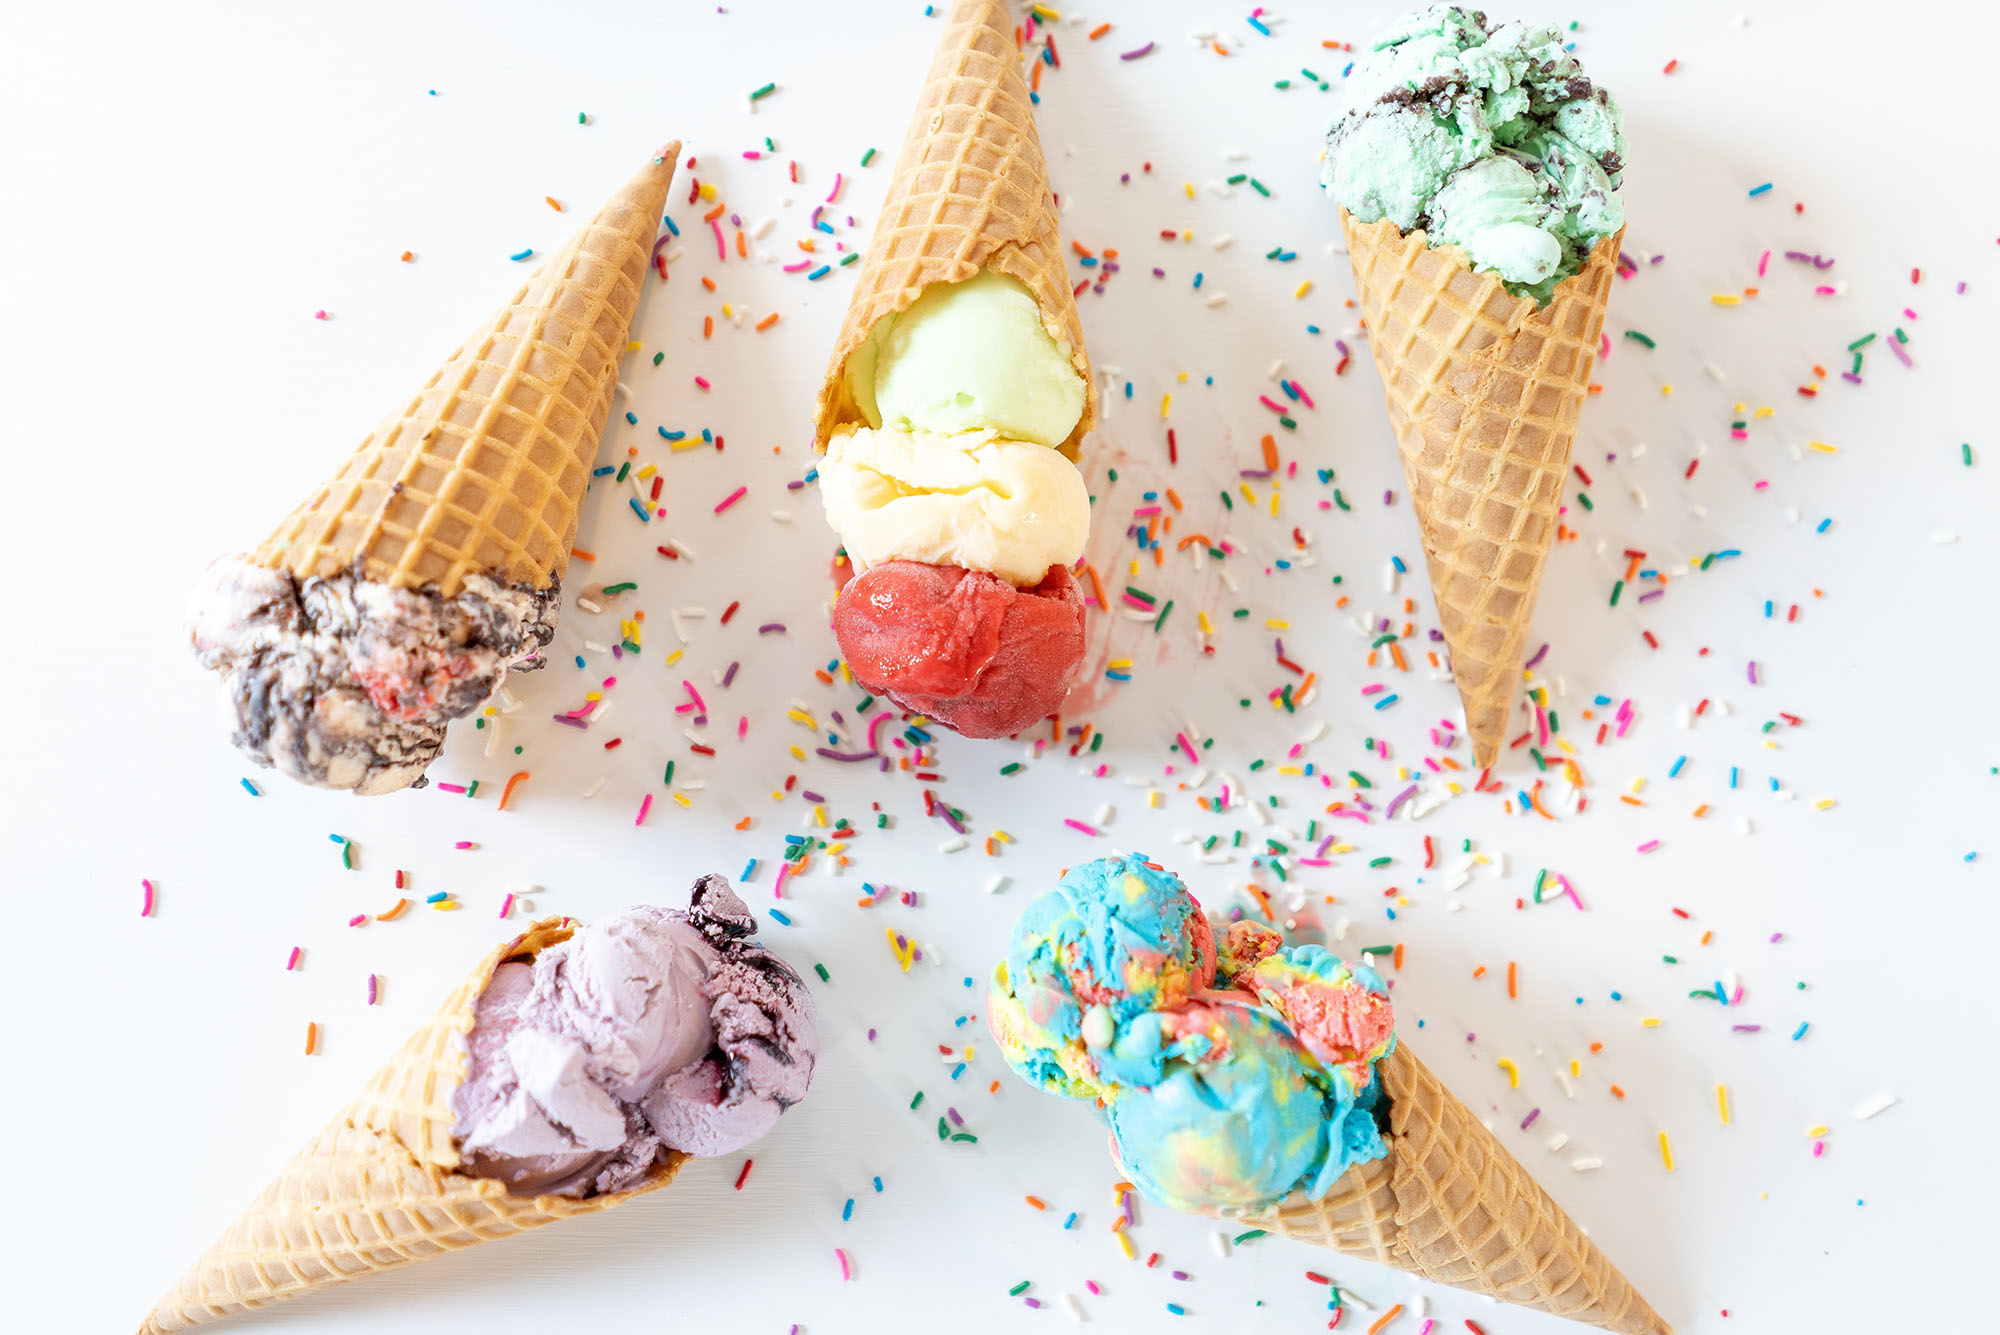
[1304, 397]
[702, 381]
[1819, 1148]
[1277, 408]
[371, 989]
[778, 886]
[1370, 690]
[699, 703]
[846, 1271]
[357, 920]
[732, 497]
[292, 960]
[721, 251]
[1145, 511]
[1649, 845]
[742, 727]
[507, 906]
[800, 266]
[1091, 1284]
[1187, 746]
[645, 805]
[451, 787]
[1763, 263]
[319, 315]
[464, 843]
[834, 193]
[1079, 825]
[146, 905]
[1824, 291]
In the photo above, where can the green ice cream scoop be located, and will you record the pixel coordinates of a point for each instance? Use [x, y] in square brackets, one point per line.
[1489, 138]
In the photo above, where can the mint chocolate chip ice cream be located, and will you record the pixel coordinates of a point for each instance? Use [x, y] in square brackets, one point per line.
[1487, 137]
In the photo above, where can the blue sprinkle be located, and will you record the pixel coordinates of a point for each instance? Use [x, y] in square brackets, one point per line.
[1392, 915]
[749, 870]
[1118, 676]
[1732, 776]
[605, 471]
[1774, 783]
[1312, 329]
[824, 226]
[959, 1023]
[249, 787]
[1824, 525]
[708, 435]
[780, 917]
[1176, 1308]
[1972, 857]
[638, 509]
[819, 273]
[1397, 561]
[1675, 771]
[632, 419]
[1761, 190]
[1525, 804]
[672, 435]
[1601, 701]
[1767, 609]
[847, 1210]
[1618, 996]
[338, 838]
[1197, 281]
[1800, 1032]
[799, 839]
[1071, 1220]
[1128, 389]
[523, 255]
[1386, 701]
[579, 660]
[958, 1070]
[438, 898]
[1282, 565]
[878, 1186]
[671, 227]
[1253, 22]
[1088, 262]
[1290, 393]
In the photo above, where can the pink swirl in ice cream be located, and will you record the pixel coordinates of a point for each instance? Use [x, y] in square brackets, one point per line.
[648, 1032]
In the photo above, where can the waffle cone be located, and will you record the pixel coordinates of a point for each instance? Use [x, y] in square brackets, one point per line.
[1450, 1204]
[1484, 390]
[970, 194]
[483, 470]
[380, 1186]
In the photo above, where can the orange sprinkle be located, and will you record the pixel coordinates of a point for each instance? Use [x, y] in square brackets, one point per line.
[312, 1039]
[1118, 1224]
[1110, 252]
[1479, 972]
[1159, 556]
[825, 677]
[1396, 653]
[1385, 1319]
[1397, 958]
[1341, 601]
[1409, 606]
[1513, 978]
[1096, 586]
[742, 246]
[715, 213]
[743, 824]
[1035, 79]
[1173, 498]
[993, 1088]
[1617, 1093]
[1372, 657]
[1707, 937]
[1701, 811]
[508, 791]
[1597, 1047]
[407, 257]
[1432, 655]
[708, 282]
[1630, 800]
[767, 322]
[1270, 453]
[395, 911]
[552, 202]
[1037, 1202]
[1099, 31]
[1078, 247]
[707, 324]
[808, 246]
[1305, 687]
[582, 555]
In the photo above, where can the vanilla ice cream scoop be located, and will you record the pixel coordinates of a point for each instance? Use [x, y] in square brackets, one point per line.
[972, 500]
[970, 356]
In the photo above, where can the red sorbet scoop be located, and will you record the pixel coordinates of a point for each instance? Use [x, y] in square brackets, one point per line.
[963, 646]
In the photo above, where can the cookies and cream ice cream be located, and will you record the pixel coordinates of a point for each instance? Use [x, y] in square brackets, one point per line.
[1230, 1073]
[959, 513]
[652, 1031]
[1489, 137]
[345, 682]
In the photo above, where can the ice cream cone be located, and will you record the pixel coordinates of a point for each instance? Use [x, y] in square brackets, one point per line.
[1450, 1204]
[970, 194]
[1484, 390]
[380, 1186]
[483, 470]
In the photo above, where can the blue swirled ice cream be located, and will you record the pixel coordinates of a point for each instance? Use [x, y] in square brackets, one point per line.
[1230, 1074]
[1487, 137]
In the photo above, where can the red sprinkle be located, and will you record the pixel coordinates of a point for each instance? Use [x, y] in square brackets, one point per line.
[744, 1174]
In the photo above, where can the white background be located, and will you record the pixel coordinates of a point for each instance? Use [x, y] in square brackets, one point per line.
[186, 185]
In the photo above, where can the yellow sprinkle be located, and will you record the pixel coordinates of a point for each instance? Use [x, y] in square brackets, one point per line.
[1722, 1102]
[1666, 390]
[593, 695]
[797, 754]
[1166, 404]
[1666, 1152]
[1821, 447]
[726, 312]
[1187, 233]
[1003, 836]
[1482, 860]
[1341, 848]
[1575, 1067]
[675, 657]
[1724, 299]
[1455, 789]
[1182, 377]
[1189, 187]
[1134, 568]
[802, 718]
[683, 799]
[1125, 1244]
[1815, 1132]
[819, 815]
[1291, 771]
[1825, 803]
[1765, 412]
[647, 471]
[846, 675]
[1248, 494]
[1273, 623]
[777, 795]
[1152, 797]
[692, 443]
[1120, 663]
[1650, 1022]
[1402, 773]
[1513, 1072]
[1563, 742]
[1302, 289]
[634, 345]
[1045, 14]
[836, 847]
[1402, 901]
[1201, 619]
[445, 904]
[1638, 786]
[708, 192]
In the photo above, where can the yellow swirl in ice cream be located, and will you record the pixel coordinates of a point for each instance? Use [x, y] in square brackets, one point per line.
[972, 500]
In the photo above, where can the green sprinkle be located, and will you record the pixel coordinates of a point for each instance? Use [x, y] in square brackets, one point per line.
[1966, 452]
[915, 1101]
[1540, 763]
[347, 854]
[1011, 768]
[1583, 498]
[1227, 504]
[850, 257]
[1378, 950]
[1240, 613]
[582, 119]
[1340, 501]
[764, 92]
[1360, 780]
[1096, 741]
[867, 703]
[1256, 765]
[1616, 589]
[1861, 342]
[1901, 337]
[1260, 187]
[1242, 1238]
[1638, 337]
[967, 1137]
[1141, 595]
[1390, 638]
[1554, 727]
[1111, 473]
[1670, 959]
[667, 778]
[1309, 74]
[1018, 1289]
[472, 788]
[626, 587]
[623, 469]
[867, 157]
[1380, 862]
[1282, 84]
[820, 969]
[944, 1129]
[1288, 424]
[1239, 178]
[1161, 619]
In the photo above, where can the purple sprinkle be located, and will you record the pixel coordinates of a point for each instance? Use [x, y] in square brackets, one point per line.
[1798, 255]
[1259, 473]
[576, 723]
[701, 720]
[1145, 50]
[1753, 672]
[950, 819]
[1656, 593]
[1746, 1028]
[1850, 377]
[1534, 662]
[730, 675]
[1529, 1120]
[1324, 844]
[846, 757]
[1626, 261]
[1032, 1302]
[794, 484]
[769, 626]
[1180, 1274]
[956, 1120]
[1896, 346]
[617, 651]
[1470, 1037]
[1819, 263]
[1398, 800]
[811, 796]
[1776, 937]
[1437, 636]
[871, 1039]
[1961, 290]
[1341, 348]
[1162, 273]
[664, 237]
[1279, 644]
[1388, 498]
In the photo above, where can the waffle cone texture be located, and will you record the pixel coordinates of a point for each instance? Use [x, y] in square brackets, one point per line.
[1484, 391]
[970, 194]
[483, 470]
[379, 1187]
[1450, 1204]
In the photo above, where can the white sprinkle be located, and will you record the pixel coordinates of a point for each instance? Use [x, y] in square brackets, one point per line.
[1389, 576]
[1557, 1141]
[1743, 825]
[525, 905]
[1349, 1298]
[763, 228]
[1104, 815]
[1875, 1105]
[596, 716]
[995, 884]
[1073, 1307]
[1277, 369]
[1586, 1165]
[1340, 929]
[492, 737]
[674, 254]
[1944, 537]
[781, 516]
[594, 647]
[1220, 1241]
[1562, 1079]
[588, 605]
[594, 789]
[1217, 300]
[686, 552]
[952, 846]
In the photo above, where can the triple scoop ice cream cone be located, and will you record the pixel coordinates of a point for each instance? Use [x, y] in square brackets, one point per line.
[400, 592]
[1243, 1078]
[954, 407]
[572, 1070]
[1477, 175]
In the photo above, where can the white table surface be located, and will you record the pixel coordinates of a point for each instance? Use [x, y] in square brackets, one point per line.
[187, 185]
